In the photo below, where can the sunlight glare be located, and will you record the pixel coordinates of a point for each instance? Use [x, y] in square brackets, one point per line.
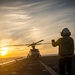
[3, 53]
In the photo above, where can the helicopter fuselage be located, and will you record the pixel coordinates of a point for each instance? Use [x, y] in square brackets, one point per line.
[34, 54]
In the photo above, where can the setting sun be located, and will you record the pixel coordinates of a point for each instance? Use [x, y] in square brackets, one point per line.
[4, 51]
[4, 48]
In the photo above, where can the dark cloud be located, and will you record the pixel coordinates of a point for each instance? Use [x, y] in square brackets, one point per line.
[68, 3]
[16, 2]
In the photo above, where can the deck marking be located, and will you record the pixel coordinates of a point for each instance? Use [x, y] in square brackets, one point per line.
[49, 69]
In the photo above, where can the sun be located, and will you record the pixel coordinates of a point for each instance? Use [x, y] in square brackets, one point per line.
[4, 48]
[4, 51]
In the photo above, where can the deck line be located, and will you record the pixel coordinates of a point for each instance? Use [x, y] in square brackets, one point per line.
[51, 71]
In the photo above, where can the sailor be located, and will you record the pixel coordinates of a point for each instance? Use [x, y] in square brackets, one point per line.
[66, 51]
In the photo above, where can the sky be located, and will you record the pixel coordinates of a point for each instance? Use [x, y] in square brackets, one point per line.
[27, 21]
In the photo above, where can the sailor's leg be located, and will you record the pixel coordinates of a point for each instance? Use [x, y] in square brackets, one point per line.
[62, 66]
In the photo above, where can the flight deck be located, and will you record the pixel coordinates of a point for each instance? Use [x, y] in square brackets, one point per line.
[47, 65]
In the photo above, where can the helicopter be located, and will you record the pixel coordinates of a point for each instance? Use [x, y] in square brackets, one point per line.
[33, 53]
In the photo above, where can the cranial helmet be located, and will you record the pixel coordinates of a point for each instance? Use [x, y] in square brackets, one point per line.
[65, 32]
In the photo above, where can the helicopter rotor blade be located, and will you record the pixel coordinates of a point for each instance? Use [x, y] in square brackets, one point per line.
[45, 43]
[16, 45]
[36, 43]
[39, 41]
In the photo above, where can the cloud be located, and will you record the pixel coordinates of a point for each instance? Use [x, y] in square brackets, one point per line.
[17, 16]
[30, 21]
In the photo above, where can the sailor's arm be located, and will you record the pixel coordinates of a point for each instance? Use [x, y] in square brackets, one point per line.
[56, 43]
